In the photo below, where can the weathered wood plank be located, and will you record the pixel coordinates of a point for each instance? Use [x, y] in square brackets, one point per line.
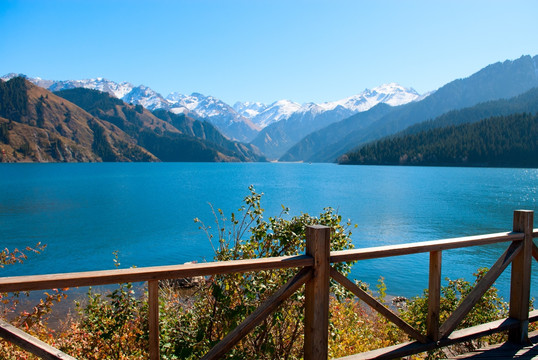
[153, 321]
[434, 295]
[266, 308]
[520, 282]
[30, 343]
[480, 289]
[377, 306]
[424, 246]
[415, 347]
[103, 277]
[316, 323]
[535, 251]
[504, 351]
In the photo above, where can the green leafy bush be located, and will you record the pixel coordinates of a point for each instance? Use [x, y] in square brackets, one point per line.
[226, 300]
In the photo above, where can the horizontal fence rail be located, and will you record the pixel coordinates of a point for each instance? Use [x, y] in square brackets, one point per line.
[315, 271]
[422, 247]
[106, 277]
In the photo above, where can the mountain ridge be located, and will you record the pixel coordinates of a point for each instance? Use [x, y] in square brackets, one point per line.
[38, 125]
[495, 81]
[277, 138]
[237, 122]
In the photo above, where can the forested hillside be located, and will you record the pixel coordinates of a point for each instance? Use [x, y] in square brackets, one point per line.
[504, 141]
[37, 125]
[171, 137]
[524, 103]
[83, 125]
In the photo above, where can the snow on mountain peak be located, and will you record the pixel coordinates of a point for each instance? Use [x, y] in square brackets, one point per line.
[249, 109]
[254, 114]
[392, 94]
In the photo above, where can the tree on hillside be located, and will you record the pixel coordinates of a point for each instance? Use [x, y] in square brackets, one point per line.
[497, 141]
[13, 99]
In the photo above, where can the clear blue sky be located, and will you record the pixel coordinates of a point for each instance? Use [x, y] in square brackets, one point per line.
[258, 50]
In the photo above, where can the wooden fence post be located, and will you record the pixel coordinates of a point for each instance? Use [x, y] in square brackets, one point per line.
[434, 295]
[153, 304]
[521, 278]
[316, 336]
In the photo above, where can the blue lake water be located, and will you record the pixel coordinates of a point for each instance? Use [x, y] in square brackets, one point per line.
[84, 212]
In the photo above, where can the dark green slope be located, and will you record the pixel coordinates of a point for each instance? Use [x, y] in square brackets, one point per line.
[524, 103]
[276, 139]
[207, 132]
[496, 81]
[505, 141]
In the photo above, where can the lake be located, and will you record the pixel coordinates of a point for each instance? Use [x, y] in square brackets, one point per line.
[84, 212]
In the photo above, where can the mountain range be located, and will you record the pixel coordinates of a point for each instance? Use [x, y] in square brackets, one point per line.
[84, 125]
[289, 131]
[496, 81]
[296, 121]
[501, 133]
[244, 121]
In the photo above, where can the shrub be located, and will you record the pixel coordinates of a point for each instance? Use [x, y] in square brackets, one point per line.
[226, 300]
[490, 307]
[33, 321]
[111, 326]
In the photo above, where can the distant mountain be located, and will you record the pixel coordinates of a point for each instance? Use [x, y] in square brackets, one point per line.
[524, 103]
[420, 143]
[37, 125]
[287, 122]
[217, 112]
[496, 81]
[334, 139]
[243, 121]
[249, 109]
[174, 129]
[504, 141]
[206, 131]
[197, 105]
[265, 115]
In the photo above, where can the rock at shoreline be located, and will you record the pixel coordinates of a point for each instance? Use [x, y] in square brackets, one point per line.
[184, 283]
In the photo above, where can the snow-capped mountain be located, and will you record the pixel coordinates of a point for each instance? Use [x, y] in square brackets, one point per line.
[145, 96]
[264, 115]
[204, 106]
[229, 122]
[277, 111]
[249, 109]
[125, 91]
[391, 94]
[278, 136]
[117, 90]
[244, 120]
[217, 112]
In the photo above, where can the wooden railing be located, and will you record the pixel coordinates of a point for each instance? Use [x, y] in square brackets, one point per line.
[315, 272]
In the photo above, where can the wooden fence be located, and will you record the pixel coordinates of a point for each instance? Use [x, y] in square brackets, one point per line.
[315, 272]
